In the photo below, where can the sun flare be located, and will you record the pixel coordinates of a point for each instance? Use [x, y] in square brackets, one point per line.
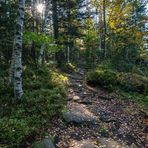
[40, 8]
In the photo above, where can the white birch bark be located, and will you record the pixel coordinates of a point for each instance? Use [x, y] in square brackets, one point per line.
[11, 70]
[18, 91]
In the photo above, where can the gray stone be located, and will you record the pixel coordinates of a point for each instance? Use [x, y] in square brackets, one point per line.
[86, 102]
[75, 98]
[133, 146]
[46, 143]
[110, 143]
[106, 118]
[78, 113]
[83, 144]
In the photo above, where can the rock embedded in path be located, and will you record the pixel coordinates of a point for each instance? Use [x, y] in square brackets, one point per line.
[76, 98]
[76, 77]
[110, 143]
[78, 113]
[85, 101]
[104, 117]
[46, 143]
[76, 85]
[83, 144]
[81, 101]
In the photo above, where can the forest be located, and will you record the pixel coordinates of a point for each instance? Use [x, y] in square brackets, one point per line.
[73, 73]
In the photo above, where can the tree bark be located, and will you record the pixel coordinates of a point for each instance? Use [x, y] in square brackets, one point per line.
[45, 15]
[11, 70]
[59, 56]
[100, 33]
[18, 91]
[105, 28]
[55, 19]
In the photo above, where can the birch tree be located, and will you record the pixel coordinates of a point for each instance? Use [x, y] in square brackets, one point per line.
[17, 55]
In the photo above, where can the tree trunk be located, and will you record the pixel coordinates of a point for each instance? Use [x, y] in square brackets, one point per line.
[55, 19]
[11, 70]
[100, 34]
[105, 28]
[45, 15]
[59, 56]
[18, 51]
[34, 15]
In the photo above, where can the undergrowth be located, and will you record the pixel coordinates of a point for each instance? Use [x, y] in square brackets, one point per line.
[131, 85]
[44, 97]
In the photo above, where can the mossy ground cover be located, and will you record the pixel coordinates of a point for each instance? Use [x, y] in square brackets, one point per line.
[128, 85]
[44, 98]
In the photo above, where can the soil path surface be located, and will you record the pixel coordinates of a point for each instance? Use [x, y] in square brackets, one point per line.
[94, 119]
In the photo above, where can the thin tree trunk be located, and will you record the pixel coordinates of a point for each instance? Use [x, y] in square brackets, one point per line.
[33, 52]
[41, 54]
[18, 91]
[68, 53]
[45, 15]
[69, 27]
[105, 28]
[100, 33]
[59, 55]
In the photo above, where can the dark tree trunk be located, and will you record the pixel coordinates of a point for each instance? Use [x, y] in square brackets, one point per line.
[105, 28]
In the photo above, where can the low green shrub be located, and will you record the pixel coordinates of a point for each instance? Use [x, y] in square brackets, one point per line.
[13, 130]
[102, 77]
[123, 66]
[135, 96]
[68, 67]
[44, 103]
[133, 82]
[109, 79]
[44, 97]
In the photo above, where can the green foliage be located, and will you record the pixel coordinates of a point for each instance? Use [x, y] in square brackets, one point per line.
[44, 97]
[29, 37]
[133, 82]
[135, 96]
[41, 39]
[109, 79]
[122, 65]
[68, 67]
[102, 77]
[13, 129]
[44, 103]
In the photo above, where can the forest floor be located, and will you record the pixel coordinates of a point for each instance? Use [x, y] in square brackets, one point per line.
[96, 118]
